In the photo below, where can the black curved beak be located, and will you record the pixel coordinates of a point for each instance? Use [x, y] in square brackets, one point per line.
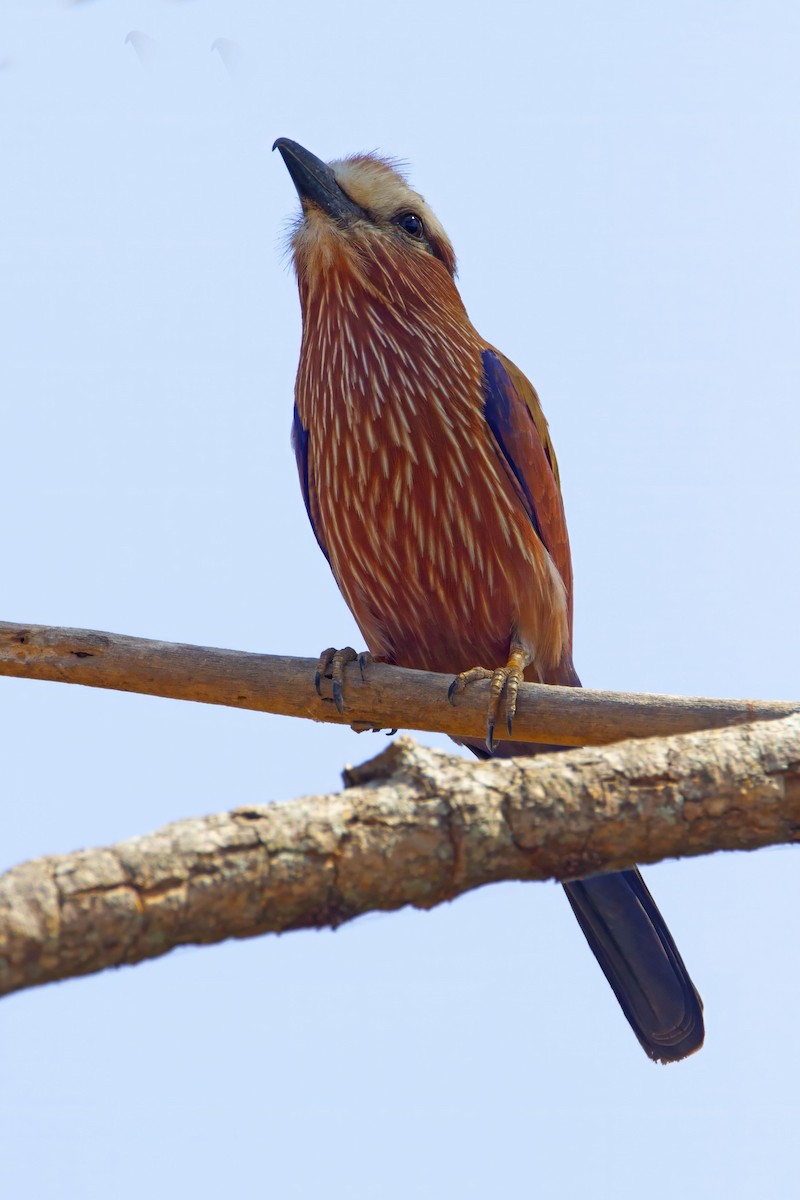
[316, 182]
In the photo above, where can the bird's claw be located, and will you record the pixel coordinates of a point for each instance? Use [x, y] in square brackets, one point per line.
[331, 665]
[505, 684]
[323, 667]
[462, 681]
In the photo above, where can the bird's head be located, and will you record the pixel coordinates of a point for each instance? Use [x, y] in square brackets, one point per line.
[359, 213]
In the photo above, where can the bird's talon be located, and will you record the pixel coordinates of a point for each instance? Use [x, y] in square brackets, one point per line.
[340, 660]
[465, 678]
[512, 687]
[323, 667]
[331, 665]
[364, 661]
[504, 687]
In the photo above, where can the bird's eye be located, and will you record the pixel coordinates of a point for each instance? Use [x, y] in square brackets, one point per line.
[411, 224]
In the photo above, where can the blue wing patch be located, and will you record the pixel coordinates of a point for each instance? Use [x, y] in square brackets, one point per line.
[300, 443]
[500, 401]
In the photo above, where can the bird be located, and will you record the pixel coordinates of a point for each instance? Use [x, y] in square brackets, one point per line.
[432, 487]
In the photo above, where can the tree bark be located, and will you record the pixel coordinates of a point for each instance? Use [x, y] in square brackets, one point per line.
[413, 826]
[387, 698]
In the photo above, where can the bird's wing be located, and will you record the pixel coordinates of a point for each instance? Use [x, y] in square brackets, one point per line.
[300, 443]
[516, 420]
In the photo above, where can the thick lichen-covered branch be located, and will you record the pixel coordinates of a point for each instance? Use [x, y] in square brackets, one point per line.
[385, 698]
[414, 826]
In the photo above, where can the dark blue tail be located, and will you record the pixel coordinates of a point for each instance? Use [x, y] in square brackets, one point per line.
[630, 940]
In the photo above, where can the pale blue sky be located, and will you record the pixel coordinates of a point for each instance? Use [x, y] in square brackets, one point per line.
[621, 183]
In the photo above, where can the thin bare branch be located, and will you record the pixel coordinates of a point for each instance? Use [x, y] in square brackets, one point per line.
[387, 698]
[416, 827]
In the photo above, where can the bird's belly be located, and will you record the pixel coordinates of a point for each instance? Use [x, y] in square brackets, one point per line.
[441, 577]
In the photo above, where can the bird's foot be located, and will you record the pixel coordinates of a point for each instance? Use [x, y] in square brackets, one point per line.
[504, 687]
[331, 665]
